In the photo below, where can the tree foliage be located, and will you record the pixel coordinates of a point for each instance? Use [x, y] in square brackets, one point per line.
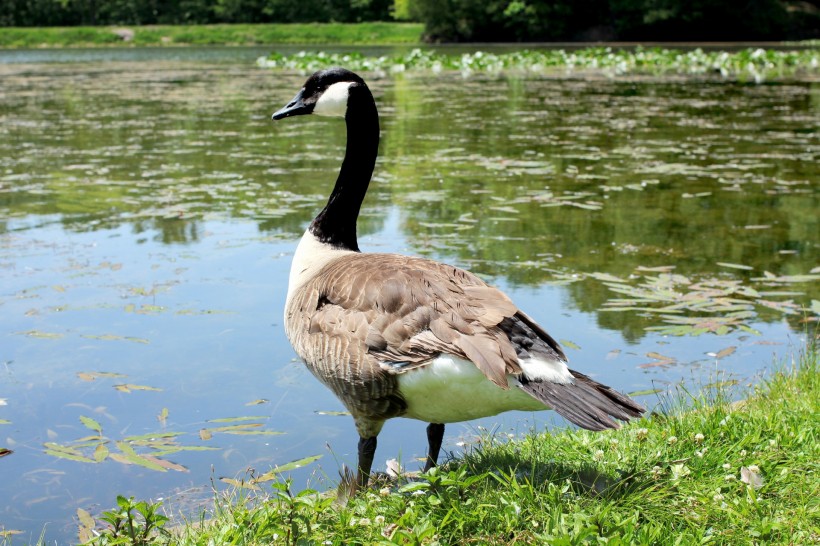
[24, 13]
[662, 20]
[459, 20]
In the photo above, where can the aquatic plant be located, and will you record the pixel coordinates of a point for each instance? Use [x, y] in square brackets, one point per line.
[755, 64]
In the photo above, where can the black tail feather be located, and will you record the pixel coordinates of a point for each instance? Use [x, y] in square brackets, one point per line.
[585, 402]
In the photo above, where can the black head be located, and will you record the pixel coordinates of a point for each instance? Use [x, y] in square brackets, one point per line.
[324, 93]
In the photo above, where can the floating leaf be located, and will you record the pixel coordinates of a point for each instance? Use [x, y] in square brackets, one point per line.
[205, 434]
[5, 422]
[735, 266]
[725, 352]
[287, 467]
[658, 269]
[5, 451]
[721, 384]
[91, 376]
[241, 484]
[85, 532]
[258, 402]
[163, 416]
[165, 463]
[657, 363]
[128, 387]
[234, 419]
[129, 456]
[100, 453]
[176, 449]
[65, 452]
[645, 392]
[104, 337]
[152, 436]
[569, 344]
[41, 335]
[658, 356]
[91, 424]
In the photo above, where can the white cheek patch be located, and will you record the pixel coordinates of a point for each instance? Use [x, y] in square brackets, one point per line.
[333, 101]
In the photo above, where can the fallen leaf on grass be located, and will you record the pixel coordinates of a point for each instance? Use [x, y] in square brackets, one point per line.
[751, 477]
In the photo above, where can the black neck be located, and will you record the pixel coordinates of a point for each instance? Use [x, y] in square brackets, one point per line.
[336, 224]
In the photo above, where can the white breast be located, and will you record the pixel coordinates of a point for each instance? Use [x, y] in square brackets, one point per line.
[310, 257]
[450, 390]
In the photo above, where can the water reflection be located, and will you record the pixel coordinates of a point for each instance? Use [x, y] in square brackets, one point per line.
[149, 211]
[515, 177]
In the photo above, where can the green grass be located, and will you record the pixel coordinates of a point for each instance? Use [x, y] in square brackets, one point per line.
[307, 33]
[701, 470]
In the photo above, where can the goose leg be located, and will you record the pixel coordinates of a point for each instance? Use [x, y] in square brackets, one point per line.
[367, 449]
[435, 435]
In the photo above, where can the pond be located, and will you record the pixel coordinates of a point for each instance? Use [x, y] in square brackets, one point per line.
[665, 231]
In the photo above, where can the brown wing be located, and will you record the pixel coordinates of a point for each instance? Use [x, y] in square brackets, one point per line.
[366, 314]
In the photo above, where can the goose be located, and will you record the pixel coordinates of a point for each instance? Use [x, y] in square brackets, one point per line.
[402, 336]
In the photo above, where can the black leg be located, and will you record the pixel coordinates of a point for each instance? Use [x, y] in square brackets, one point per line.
[367, 449]
[435, 434]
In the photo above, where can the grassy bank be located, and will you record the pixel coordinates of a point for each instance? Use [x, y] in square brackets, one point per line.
[701, 470]
[308, 33]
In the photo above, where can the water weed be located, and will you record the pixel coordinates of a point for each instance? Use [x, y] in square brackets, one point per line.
[750, 64]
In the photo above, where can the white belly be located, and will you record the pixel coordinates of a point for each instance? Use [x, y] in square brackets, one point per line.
[450, 390]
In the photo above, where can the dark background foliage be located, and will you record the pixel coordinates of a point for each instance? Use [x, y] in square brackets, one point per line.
[460, 20]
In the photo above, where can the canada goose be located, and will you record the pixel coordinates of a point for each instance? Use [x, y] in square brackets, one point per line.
[401, 336]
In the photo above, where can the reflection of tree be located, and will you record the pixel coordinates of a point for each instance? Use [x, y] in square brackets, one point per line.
[512, 177]
[661, 182]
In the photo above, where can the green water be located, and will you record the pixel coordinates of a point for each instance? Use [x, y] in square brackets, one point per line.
[664, 230]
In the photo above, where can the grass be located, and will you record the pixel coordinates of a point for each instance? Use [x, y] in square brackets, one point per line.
[755, 64]
[701, 470]
[171, 35]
